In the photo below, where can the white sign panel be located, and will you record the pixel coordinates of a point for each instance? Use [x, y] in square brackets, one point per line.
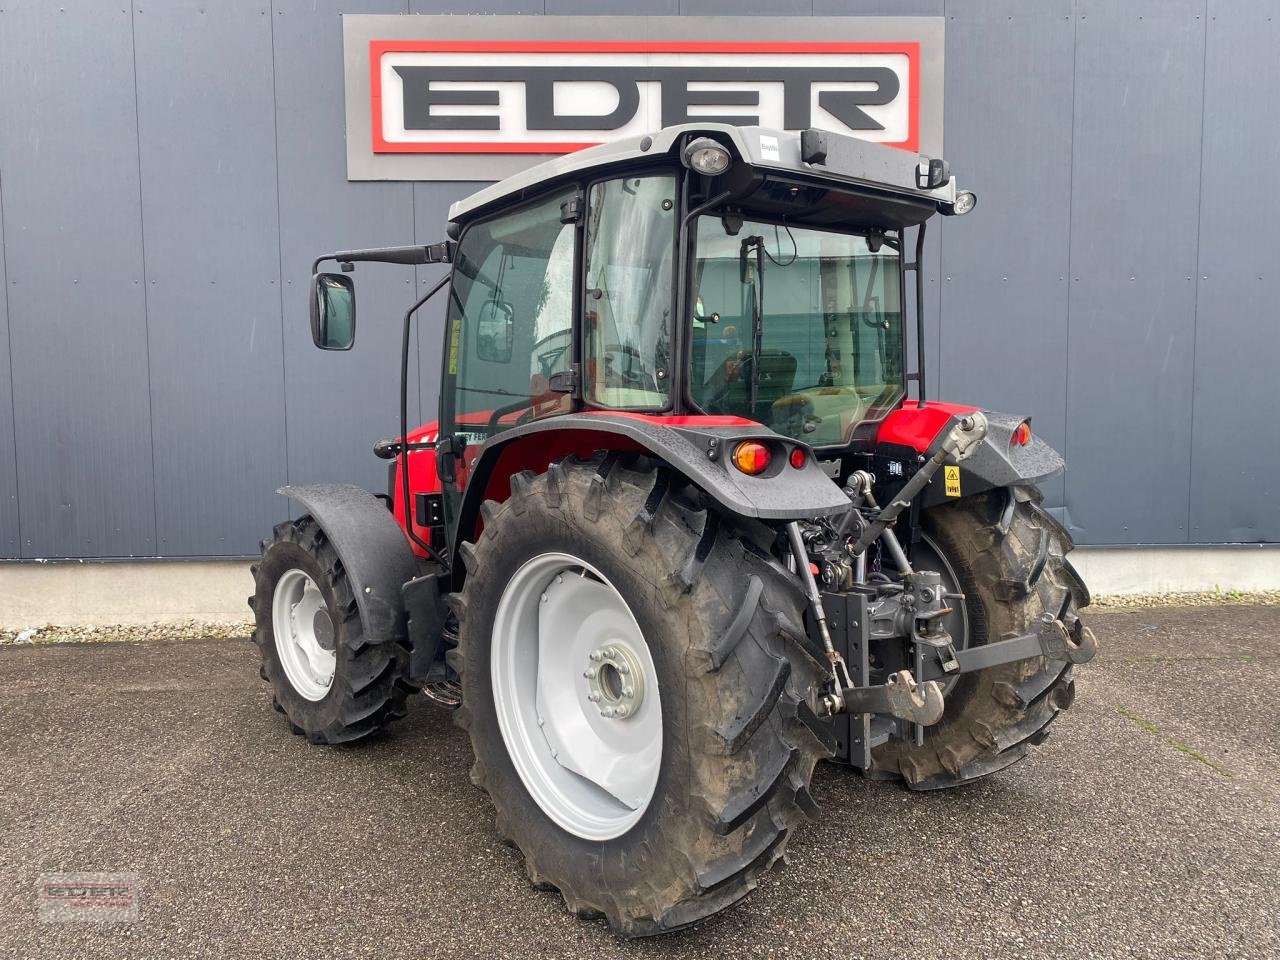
[479, 97]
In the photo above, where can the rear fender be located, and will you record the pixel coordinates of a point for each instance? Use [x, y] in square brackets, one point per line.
[996, 462]
[696, 447]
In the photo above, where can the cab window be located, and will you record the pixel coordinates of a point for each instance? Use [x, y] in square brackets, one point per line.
[627, 299]
[510, 320]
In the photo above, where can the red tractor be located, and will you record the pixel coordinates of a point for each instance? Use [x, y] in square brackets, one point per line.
[679, 532]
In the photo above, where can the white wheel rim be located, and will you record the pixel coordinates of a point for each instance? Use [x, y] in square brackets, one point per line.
[584, 734]
[304, 633]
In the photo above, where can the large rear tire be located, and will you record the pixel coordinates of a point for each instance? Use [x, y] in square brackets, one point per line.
[719, 623]
[1010, 558]
[331, 682]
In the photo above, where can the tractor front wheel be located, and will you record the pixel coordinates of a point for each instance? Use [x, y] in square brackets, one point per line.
[331, 683]
[635, 685]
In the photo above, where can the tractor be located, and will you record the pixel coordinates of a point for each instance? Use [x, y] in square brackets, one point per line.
[687, 523]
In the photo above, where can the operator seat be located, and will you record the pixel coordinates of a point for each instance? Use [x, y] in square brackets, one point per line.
[777, 380]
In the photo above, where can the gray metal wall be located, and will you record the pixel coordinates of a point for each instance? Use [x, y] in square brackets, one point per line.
[167, 172]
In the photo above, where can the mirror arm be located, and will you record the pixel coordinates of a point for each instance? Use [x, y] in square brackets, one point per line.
[441, 252]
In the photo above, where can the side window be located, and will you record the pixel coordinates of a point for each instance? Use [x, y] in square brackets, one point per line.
[510, 320]
[627, 301]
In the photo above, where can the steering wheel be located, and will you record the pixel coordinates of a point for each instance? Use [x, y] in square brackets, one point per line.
[629, 376]
[492, 426]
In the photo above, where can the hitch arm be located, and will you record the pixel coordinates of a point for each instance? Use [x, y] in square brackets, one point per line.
[900, 697]
[1051, 638]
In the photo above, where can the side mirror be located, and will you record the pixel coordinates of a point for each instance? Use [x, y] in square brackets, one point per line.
[495, 331]
[333, 311]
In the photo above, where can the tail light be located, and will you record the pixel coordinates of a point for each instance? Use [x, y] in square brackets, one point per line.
[1021, 434]
[751, 457]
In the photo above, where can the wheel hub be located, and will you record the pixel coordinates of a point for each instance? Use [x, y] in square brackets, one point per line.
[322, 625]
[615, 679]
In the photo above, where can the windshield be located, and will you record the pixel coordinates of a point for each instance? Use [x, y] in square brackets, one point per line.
[795, 328]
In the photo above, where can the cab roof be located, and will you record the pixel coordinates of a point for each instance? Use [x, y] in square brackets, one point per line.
[857, 166]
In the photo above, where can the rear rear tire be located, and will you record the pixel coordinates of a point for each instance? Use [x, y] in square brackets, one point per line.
[720, 623]
[1010, 557]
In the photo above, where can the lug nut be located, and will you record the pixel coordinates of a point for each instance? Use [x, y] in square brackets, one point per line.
[628, 691]
[590, 674]
[623, 668]
[593, 697]
[597, 655]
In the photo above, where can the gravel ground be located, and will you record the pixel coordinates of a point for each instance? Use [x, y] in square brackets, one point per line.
[1147, 826]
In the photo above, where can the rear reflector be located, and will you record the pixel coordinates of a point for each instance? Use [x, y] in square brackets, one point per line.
[1021, 434]
[798, 458]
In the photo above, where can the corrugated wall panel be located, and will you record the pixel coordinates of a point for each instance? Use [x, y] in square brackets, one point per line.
[338, 403]
[1235, 453]
[879, 8]
[1090, 159]
[746, 8]
[207, 148]
[478, 7]
[1004, 289]
[8, 451]
[73, 250]
[630, 8]
[1136, 177]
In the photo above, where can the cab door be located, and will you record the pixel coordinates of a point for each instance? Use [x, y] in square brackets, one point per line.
[509, 330]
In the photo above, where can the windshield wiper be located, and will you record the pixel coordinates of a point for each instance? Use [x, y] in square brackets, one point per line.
[494, 392]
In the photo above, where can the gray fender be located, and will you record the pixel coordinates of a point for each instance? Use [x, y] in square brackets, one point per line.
[998, 463]
[372, 547]
[699, 453]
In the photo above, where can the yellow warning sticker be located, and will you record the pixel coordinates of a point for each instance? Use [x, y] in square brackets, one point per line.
[951, 477]
[453, 346]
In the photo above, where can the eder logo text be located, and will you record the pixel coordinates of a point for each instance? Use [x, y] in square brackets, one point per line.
[539, 97]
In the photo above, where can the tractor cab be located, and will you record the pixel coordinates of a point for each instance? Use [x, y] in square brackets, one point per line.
[710, 270]
[706, 271]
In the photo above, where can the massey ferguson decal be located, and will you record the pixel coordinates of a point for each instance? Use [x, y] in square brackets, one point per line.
[549, 97]
[478, 98]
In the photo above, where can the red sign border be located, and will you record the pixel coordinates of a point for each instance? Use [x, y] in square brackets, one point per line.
[378, 48]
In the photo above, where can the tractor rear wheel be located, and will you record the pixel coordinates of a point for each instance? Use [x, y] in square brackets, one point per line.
[635, 686]
[331, 683]
[1009, 556]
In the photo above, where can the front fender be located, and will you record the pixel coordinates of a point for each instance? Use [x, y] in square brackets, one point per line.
[373, 549]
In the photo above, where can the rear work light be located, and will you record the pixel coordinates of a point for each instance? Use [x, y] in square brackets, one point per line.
[1021, 434]
[751, 457]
